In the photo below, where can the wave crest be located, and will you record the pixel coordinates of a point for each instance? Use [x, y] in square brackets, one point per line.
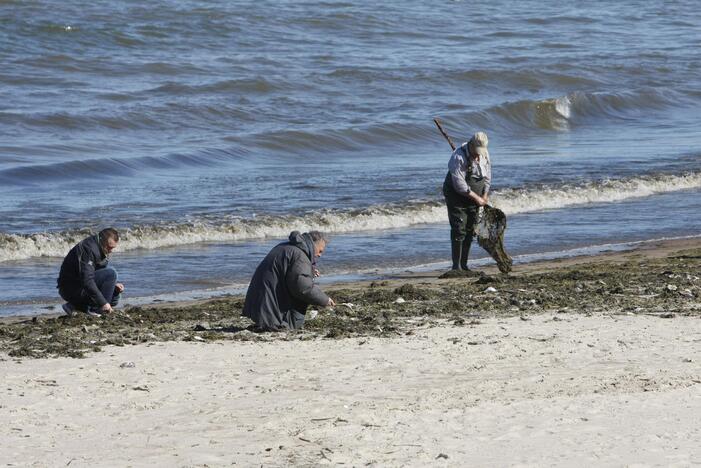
[560, 113]
[511, 201]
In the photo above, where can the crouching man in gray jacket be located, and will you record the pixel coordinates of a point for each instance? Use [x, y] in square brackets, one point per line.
[283, 286]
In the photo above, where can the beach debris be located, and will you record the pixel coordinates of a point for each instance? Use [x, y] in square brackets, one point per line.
[347, 304]
[486, 279]
[141, 388]
[442, 455]
[323, 455]
[667, 315]
[490, 289]
[686, 293]
[311, 314]
[409, 291]
[47, 382]
[400, 300]
[127, 364]
[459, 274]
[198, 338]
[490, 236]
[542, 339]
[201, 327]
[671, 287]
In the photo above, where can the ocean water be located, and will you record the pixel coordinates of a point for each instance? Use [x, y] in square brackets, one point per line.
[206, 131]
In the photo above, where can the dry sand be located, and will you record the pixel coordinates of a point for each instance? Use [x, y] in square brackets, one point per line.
[565, 389]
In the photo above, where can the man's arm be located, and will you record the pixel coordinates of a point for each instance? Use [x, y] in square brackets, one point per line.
[480, 201]
[458, 173]
[487, 178]
[457, 166]
[301, 285]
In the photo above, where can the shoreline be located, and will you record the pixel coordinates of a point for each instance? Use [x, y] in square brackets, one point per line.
[652, 248]
[647, 279]
[585, 361]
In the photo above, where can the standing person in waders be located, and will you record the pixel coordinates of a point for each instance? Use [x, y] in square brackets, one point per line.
[466, 188]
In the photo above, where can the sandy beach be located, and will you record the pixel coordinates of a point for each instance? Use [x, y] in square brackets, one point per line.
[591, 361]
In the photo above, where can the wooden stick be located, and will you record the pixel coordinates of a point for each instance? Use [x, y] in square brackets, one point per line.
[440, 129]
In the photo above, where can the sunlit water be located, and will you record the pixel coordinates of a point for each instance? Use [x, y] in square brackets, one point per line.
[207, 131]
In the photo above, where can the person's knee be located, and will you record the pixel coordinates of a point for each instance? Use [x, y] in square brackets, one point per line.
[111, 274]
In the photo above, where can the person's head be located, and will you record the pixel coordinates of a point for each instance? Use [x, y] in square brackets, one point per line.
[477, 146]
[320, 242]
[108, 237]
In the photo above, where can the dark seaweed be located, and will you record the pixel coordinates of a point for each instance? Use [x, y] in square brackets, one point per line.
[666, 287]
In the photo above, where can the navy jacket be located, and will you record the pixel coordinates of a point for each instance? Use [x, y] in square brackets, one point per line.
[78, 271]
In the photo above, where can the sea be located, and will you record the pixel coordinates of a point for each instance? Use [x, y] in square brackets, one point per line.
[207, 131]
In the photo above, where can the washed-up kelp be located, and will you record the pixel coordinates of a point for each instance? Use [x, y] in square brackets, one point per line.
[490, 236]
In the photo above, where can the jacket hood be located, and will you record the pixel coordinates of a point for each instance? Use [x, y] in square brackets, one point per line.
[304, 242]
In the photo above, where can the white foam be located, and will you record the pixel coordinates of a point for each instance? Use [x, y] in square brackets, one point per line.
[609, 191]
[511, 201]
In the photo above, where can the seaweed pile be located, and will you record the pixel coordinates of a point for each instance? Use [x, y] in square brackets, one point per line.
[665, 287]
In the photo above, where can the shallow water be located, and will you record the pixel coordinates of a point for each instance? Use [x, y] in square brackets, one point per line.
[207, 132]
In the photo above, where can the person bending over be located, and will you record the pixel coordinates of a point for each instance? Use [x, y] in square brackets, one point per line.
[466, 188]
[283, 287]
[85, 281]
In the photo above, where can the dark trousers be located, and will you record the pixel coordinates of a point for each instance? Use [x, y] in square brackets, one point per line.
[106, 280]
[462, 216]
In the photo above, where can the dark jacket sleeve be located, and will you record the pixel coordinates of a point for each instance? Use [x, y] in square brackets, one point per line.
[86, 264]
[300, 283]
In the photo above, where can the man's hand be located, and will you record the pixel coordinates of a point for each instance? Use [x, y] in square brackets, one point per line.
[331, 303]
[477, 199]
[316, 272]
[106, 308]
[119, 288]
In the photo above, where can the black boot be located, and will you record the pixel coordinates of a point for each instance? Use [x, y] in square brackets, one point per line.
[464, 253]
[456, 250]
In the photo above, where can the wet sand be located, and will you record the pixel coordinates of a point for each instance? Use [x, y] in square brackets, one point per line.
[584, 361]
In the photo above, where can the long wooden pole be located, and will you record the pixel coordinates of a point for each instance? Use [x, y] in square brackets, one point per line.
[440, 129]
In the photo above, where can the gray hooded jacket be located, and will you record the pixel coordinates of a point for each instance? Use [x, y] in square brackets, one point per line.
[283, 282]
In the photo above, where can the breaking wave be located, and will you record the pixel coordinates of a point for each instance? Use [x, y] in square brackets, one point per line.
[401, 215]
[561, 112]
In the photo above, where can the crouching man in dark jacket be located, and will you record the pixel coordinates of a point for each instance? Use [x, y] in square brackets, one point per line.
[85, 281]
[282, 286]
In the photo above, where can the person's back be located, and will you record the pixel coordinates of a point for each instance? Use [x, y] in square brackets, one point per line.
[282, 286]
[88, 250]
